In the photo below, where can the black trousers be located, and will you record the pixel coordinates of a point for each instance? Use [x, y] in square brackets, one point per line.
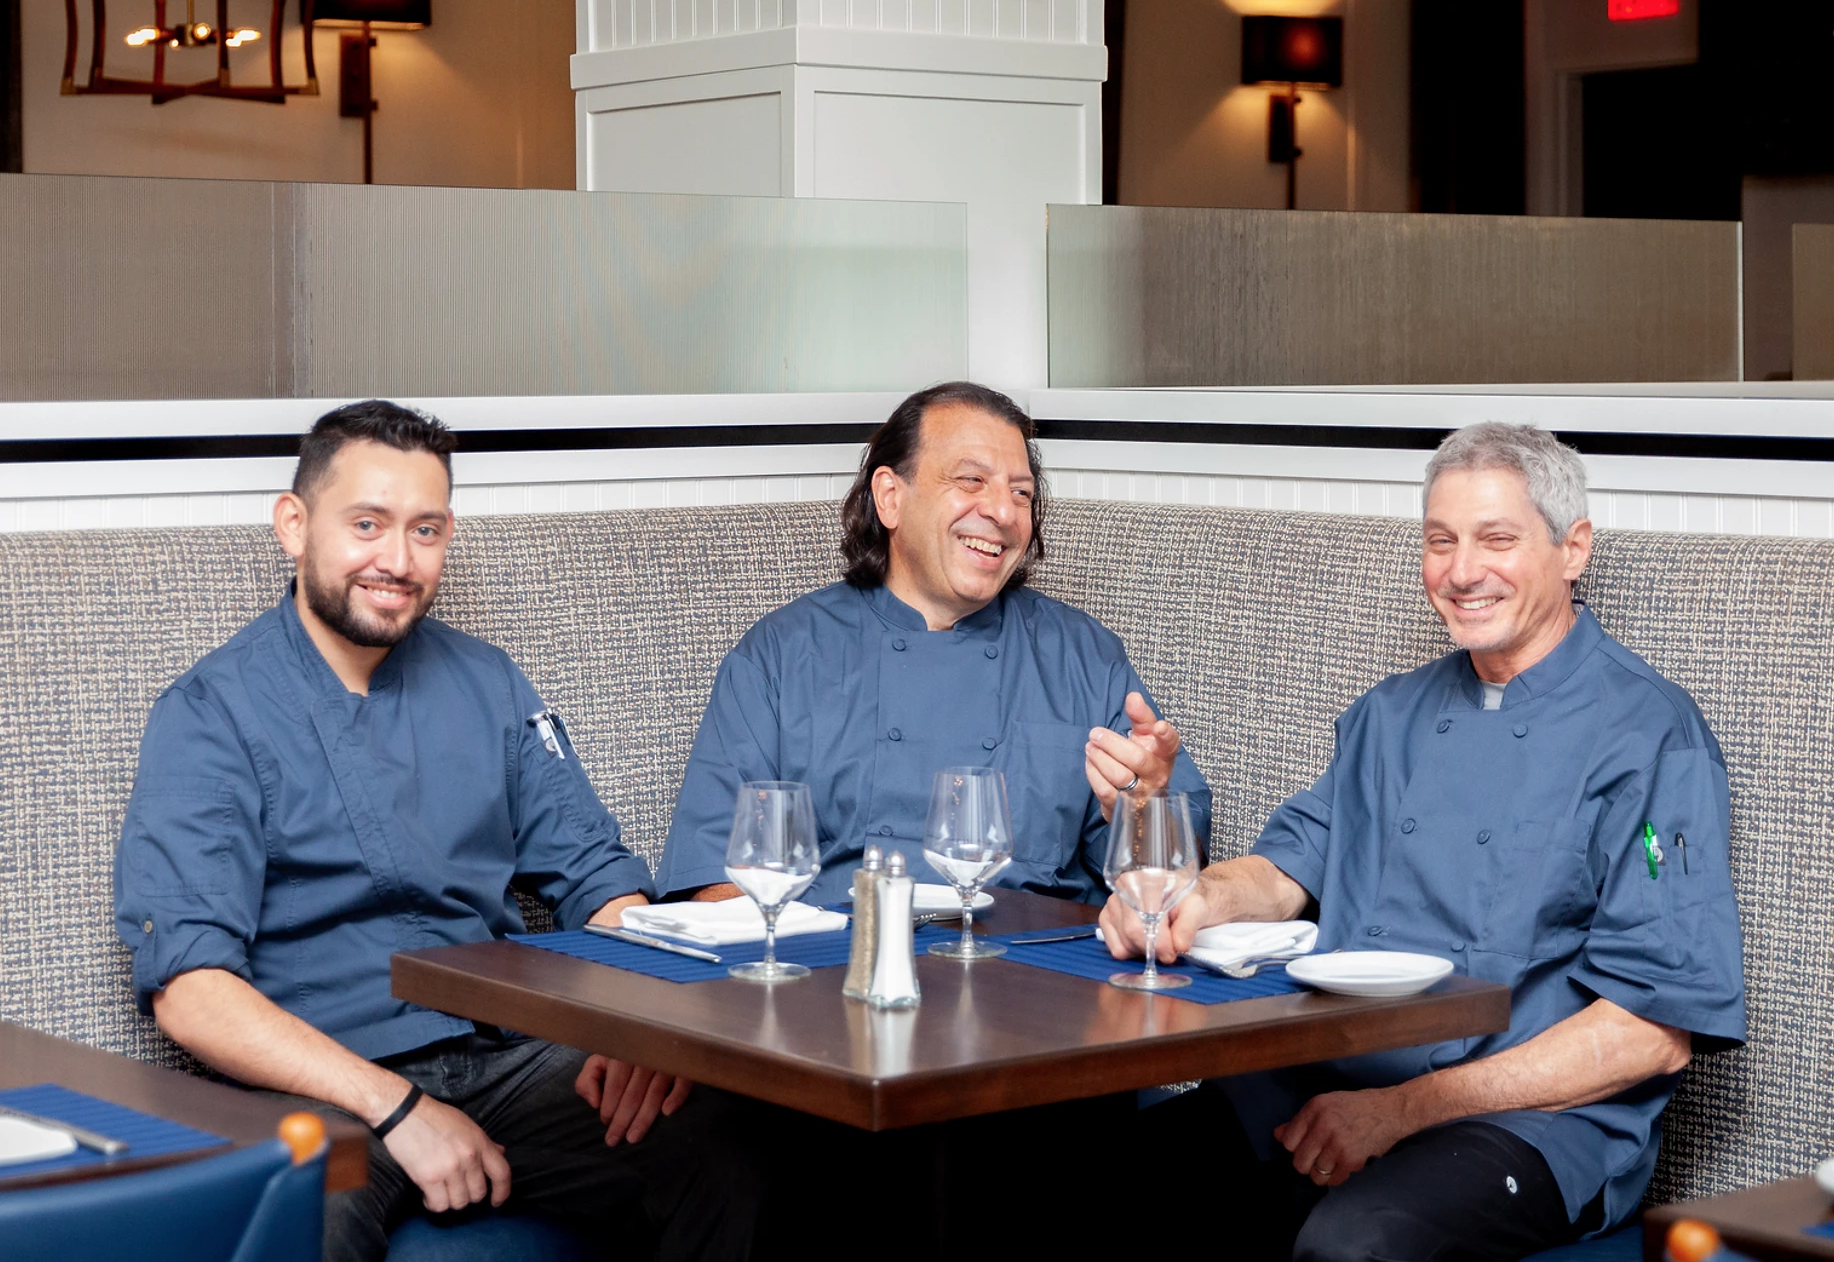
[691, 1188]
[1464, 1191]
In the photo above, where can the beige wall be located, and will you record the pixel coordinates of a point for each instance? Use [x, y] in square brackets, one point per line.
[480, 98]
[1193, 135]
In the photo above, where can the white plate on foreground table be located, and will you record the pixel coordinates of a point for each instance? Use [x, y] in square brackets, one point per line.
[937, 898]
[1369, 973]
[1824, 1175]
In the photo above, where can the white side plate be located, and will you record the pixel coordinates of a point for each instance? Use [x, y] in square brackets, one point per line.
[937, 898]
[1369, 973]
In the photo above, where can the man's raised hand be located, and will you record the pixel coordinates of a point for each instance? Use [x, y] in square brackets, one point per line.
[1112, 761]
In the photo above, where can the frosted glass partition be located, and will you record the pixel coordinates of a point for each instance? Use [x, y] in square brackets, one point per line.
[117, 288]
[1812, 282]
[1148, 296]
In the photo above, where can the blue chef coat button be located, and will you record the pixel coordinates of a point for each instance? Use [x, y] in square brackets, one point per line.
[899, 645]
[1458, 944]
[1521, 729]
[989, 743]
[1483, 838]
[1407, 825]
[885, 830]
[1376, 931]
[992, 651]
[895, 734]
[1445, 725]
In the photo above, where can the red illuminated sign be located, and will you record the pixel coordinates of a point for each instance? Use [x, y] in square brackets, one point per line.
[1637, 10]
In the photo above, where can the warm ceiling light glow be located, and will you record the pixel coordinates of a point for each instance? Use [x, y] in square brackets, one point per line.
[201, 32]
[145, 35]
[242, 35]
[1638, 10]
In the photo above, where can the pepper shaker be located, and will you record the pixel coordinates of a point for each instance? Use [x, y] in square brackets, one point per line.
[864, 949]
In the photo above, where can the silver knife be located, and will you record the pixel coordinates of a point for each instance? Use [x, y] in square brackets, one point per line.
[660, 944]
[88, 1139]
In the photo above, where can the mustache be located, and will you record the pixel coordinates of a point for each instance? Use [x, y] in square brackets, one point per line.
[378, 579]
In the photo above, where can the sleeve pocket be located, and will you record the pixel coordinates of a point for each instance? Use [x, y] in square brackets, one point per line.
[179, 837]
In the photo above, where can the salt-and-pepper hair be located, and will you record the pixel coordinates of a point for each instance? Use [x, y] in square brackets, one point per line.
[1555, 475]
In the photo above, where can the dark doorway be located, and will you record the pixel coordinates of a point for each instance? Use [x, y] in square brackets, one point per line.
[1658, 146]
[1468, 151]
[12, 138]
[1114, 31]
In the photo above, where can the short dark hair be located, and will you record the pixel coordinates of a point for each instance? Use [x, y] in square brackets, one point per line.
[373, 421]
[865, 543]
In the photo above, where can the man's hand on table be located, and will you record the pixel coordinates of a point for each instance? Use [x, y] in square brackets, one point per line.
[449, 1157]
[1338, 1133]
[1248, 888]
[1125, 936]
[1111, 760]
[628, 1097]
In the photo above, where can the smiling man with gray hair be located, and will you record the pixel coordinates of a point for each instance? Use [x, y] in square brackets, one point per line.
[1542, 809]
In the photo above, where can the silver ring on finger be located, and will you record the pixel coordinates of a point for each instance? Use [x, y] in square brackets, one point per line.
[1132, 784]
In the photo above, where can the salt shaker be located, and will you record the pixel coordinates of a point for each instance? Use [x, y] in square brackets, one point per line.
[894, 973]
[865, 946]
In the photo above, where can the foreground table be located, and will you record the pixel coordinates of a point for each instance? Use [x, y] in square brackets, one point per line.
[28, 1057]
[989, 1036]
[1764, 1222]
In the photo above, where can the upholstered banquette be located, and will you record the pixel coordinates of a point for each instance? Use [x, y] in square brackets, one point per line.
[1253, 628]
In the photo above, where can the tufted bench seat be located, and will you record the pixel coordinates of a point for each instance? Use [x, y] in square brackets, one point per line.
[1253, 628]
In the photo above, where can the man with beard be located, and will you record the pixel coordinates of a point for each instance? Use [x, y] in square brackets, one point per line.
[1542, 809]
[347, 778]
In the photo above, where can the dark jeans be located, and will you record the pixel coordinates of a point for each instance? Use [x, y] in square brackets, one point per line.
[1467, 1190]
[690, 1189]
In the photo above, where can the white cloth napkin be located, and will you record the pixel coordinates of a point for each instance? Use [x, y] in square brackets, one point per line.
[1224, 946]
[21, 1140]
[731, 921]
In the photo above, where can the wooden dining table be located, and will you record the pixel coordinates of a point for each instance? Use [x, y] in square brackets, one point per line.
[989, 1036]
[29, 1057]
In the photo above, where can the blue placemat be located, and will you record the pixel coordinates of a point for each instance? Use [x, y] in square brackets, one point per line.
[1824, 1230]
[1088, 958]
[144, 1134]
[811, 950]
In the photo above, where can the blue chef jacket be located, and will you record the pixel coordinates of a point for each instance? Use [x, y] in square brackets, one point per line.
[295, 833]
[1510, 842]
[846, 690]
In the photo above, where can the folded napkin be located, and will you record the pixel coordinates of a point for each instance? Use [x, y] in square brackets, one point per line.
[1225, 946]
[732, 921]
[21, 1140]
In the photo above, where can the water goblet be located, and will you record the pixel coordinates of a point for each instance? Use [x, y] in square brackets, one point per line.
[1152, 864]
[772, 857]
[968, 839]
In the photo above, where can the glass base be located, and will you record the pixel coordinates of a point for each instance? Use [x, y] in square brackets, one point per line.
[1140, 981]
[765, 972]
[978, 949]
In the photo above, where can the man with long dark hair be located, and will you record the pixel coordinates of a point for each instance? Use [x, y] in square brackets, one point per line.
[932, 653]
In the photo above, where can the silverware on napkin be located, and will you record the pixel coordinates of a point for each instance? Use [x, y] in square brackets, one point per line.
[89, 1139]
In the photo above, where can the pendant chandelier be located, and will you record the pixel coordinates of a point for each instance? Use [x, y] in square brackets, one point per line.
[163, 36]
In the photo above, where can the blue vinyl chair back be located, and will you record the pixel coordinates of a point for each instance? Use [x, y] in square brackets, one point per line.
[251, 1205]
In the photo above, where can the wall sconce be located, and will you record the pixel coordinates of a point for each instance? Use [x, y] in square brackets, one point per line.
[355, 97]
[164, 36]
[1299, 52]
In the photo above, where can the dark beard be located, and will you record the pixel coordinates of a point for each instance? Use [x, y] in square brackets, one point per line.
[332, 605]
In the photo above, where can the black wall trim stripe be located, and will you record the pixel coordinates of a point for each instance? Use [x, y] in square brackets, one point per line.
[1391, 438]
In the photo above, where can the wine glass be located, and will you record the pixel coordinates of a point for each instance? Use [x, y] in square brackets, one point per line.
[1152, 864]
[968, 838]
[772, 857]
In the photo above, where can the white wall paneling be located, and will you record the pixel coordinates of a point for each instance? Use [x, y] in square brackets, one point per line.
[1734, 496]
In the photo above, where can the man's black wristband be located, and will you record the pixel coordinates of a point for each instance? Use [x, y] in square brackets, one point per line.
[381, 1129]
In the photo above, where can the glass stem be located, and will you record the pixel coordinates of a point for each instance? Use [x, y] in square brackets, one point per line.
[1151, 924]
[770, 938]
[968, 922]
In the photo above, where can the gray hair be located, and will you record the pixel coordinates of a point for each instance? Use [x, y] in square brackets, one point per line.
[1555, 475]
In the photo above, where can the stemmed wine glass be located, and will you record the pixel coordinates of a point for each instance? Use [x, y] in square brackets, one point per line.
[772, 857]
[968, 838]
[1152, 864]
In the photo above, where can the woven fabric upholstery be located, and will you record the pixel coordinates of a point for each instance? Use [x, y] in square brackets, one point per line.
[1254, 630]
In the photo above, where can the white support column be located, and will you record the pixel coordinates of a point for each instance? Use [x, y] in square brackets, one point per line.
[995, 103]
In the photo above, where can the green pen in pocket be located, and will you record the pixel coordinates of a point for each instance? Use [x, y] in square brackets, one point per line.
[1652, 850]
